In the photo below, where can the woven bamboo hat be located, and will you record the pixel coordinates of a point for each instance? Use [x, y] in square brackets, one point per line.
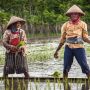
[74, 9]
[15, 19]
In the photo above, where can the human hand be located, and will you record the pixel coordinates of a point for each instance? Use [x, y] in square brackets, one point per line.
[13, 48]
[21, 49]
[56, 55]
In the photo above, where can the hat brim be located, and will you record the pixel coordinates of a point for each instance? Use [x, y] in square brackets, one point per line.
[22, 23]
[69, 14]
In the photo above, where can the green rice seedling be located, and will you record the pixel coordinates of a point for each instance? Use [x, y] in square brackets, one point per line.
[39, 83]
[59, 83]
[48, 84]
[21, 43]
[77, 83]
[12, 83]
[66, 85]
[86, 82]
[6, 84]
[36, 85]
[70, 82]
[56, 74]
[23, 84]
[54, 84]
[1, 60]
[26, 84]
[1, 79]
[19, 86]
[30, 85]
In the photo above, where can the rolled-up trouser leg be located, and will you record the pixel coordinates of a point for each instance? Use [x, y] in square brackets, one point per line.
[81, 58]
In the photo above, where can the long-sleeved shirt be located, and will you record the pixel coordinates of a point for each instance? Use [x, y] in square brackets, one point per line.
[69, 30]
[8, 36]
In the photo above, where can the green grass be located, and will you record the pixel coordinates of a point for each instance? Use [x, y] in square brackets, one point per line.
[38, 35]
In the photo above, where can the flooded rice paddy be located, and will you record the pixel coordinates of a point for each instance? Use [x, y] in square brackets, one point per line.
[41, 63]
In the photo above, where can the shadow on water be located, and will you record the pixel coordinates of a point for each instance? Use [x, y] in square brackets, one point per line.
[16, 84]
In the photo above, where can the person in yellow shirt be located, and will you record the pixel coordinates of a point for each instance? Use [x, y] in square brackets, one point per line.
[73, 34]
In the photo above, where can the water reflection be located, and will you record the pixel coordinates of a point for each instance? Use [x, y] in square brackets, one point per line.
[16, 84]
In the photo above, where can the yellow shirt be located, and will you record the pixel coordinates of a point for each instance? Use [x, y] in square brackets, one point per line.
[69, 30]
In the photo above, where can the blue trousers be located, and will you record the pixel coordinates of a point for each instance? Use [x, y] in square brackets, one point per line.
[80, 56]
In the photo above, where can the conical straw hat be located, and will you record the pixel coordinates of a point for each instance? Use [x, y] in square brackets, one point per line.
[15, 19]
[75, 9]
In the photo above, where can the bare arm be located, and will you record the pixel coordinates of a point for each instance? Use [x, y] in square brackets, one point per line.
[62, 41]
[85, 34]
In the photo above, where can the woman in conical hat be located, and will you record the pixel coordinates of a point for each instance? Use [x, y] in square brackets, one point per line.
[73, 34]
[15, 60]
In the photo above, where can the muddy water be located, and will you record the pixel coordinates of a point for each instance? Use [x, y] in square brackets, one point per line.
[47, 67]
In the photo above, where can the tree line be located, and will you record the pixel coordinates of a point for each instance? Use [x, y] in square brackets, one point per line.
[42, 16]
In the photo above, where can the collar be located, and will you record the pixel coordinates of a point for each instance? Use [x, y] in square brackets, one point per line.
[17, 32]
[75, 23]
